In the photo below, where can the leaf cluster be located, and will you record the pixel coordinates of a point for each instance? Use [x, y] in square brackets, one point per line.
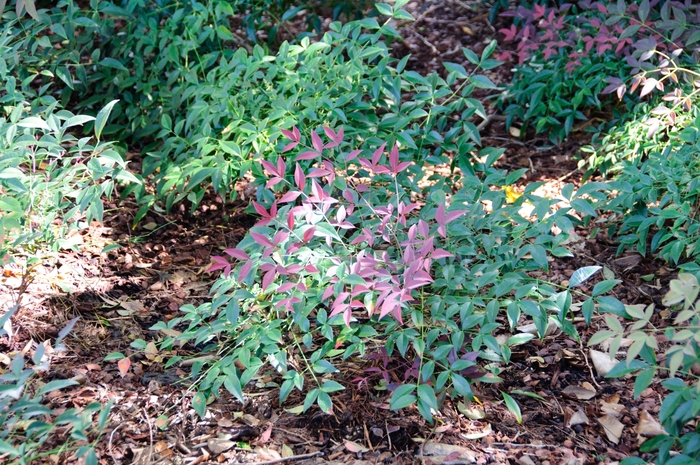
[681, 406]
[26, 423]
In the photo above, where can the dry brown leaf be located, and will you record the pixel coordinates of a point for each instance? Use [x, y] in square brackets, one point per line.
[648, 426]
[602, 362]
[578, 418]
[612, 427]
[354, 447]
[265, 454]
[130, 307]
[219, 445]
[579, 392]
[265, 436]
[612, 407]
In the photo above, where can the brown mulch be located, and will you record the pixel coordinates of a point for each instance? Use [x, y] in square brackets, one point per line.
[160, 266]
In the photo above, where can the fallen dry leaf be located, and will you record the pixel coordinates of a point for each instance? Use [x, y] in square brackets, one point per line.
[219, 445]
[602, 362]
[579, 392]
[611, 407]
[648, 426]
[265, 436]
[578, 418]
[124, 365]
[612, 427]
[265, 454]
[355, 447]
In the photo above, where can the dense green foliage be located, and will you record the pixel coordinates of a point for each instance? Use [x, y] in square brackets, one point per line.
[386, 229]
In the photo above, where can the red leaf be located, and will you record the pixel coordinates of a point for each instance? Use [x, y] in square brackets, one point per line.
[269, 167]
[441, 253]
[318, 172]
[509, 33]
[394, 159]
[286, 287]
[454, 214]
[281, 167]
[237, 253]
[265, 436]
[299, 177]
[245, 269]
[310, 269]
[352, 155]
[378, 154]
[260, 239]
[316, 142]
[308, 155]
[649, 85]
[123, 366]
[289, 146]
[327, 293]
[261, 210]
[268, 278]
[288, 134]
[309, 233]
[290, 219]
[290, 196]
[220, 263]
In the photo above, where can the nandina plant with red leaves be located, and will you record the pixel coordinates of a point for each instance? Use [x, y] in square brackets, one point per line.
[567, 57]
[348, 260]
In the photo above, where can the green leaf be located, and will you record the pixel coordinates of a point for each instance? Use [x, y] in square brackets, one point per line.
[102, 117]
[199, 403]
[611, 305]
[34, 122]
[91, 458]
[587, 309]
[384, 9]
[427, 394]
[56, 385]
[583, 274]
[402, 397]
[112, 63]
[324, 402]
[513, 406]
[482, 82]
[605, 286]
[77, 121]
[462, 386]
[622, 369]
[583, 206]
[457, 69]
[6, 448]
[642, 381]
[114, 356]
[332, 386]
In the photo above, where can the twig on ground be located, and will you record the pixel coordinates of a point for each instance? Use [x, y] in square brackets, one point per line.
[488, 120]
[427, 42]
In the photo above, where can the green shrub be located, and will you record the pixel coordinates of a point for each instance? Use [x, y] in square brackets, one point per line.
[568, 57]
[50, 179]
[682, 405]
[344, 262]
[27, 424]
[658, 197]
[346, 78]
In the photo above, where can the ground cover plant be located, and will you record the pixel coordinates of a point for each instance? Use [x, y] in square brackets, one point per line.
[327, 227]
[571, 59]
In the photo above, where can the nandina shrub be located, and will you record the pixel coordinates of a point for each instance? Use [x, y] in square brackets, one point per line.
[348, 260]
[568, 57]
